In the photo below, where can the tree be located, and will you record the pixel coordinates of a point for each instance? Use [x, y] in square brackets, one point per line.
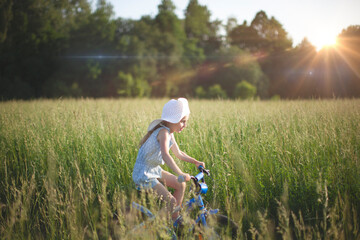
[200, 29]
[214, 42]
[306, 46]
[95, 34]
[270, 34]
[231, 24]
[171, 35]
[243, 36]
[169, 44]
[263, 35]
[197, 30]
[197, 18]
[5, 18]
[348, 62]
[167, 21]
[349, 46]
[351, 37]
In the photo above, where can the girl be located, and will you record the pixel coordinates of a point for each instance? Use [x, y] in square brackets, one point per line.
[154, 151]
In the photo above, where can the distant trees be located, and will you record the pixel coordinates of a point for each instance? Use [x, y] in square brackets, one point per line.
[349, 48]
[338, 69]
[264, 35]
[266, 39]
[232, 66]
[64, 48]
[304, 73]
[33, 35]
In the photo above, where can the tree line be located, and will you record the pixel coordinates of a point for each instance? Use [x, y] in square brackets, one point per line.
[64, 48]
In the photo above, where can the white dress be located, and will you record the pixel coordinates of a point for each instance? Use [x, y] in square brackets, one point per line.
[149, 159]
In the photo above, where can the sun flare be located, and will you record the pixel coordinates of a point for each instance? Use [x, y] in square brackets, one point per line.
[324, 41]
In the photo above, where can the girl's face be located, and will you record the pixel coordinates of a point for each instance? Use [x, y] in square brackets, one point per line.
[178, 127]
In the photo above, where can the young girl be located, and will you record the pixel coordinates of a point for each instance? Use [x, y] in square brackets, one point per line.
[154, 151]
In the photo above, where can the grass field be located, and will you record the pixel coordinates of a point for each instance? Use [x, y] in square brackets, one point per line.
[281, 169]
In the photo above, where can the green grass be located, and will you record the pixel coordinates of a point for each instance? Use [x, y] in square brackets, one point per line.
[285, 169]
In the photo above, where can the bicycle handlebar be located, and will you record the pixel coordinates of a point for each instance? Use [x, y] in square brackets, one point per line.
[202, 169]
[198, 177]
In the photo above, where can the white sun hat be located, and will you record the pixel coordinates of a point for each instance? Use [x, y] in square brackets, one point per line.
[173, 111]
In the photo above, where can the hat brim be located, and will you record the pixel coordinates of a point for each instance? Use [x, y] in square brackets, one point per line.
[154, 124]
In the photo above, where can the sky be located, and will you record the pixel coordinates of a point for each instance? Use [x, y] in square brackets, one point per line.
[318, 20]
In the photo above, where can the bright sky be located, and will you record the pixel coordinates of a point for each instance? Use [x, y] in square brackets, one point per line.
[318, 20]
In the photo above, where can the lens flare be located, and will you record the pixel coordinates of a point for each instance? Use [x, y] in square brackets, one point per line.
[324, 41]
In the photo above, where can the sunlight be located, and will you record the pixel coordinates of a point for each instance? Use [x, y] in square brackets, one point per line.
[324, 40]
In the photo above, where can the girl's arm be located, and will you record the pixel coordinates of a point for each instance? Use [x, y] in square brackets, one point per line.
[183, 156]
[164, 138]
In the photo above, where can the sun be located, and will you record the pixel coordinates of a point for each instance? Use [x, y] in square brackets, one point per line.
[324, 41]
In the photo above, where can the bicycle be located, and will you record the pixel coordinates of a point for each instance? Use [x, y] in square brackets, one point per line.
[207, 224]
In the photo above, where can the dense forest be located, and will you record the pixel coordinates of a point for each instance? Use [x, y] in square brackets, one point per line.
[64, 48]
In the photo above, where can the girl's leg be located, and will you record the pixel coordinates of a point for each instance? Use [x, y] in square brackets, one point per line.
[165, 195]
[170, 180]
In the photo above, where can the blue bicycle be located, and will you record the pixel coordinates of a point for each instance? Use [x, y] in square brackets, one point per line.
[204, 223]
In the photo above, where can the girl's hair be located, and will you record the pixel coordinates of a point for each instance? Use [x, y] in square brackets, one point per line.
[148, 134]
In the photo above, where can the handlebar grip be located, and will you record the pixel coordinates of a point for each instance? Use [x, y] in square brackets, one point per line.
[203, 170]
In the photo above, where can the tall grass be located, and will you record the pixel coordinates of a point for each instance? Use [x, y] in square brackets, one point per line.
[285, 169]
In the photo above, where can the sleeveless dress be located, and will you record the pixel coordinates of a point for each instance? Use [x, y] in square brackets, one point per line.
[147, 166]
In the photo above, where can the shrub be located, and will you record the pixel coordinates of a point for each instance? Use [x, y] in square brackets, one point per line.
[200, 92]
[128, 86]
[244, 90]
[276, 97]
[216, 91]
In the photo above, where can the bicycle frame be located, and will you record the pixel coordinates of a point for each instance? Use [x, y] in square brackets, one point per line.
[197, 201]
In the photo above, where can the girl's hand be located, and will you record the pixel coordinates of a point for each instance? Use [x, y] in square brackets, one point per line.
[199, 163]
[186, 177]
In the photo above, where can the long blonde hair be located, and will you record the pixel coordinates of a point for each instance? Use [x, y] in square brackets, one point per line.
[148, 134]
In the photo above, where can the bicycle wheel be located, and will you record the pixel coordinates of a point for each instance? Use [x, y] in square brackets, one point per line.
[218, 227]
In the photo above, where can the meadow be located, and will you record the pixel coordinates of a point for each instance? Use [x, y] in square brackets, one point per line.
[281, 169]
